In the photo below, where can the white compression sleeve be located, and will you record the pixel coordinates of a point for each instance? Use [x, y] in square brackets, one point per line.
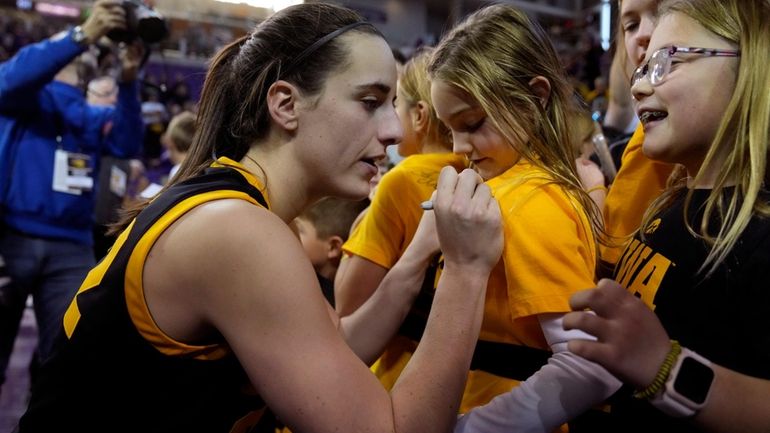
[562, 389]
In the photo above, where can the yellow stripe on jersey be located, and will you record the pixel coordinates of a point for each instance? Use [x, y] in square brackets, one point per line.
[93, 279]
[134, 290]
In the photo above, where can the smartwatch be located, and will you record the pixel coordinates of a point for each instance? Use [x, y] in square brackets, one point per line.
[78, 36]
[688, 385]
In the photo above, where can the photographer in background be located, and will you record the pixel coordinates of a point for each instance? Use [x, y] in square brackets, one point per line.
[51, 141]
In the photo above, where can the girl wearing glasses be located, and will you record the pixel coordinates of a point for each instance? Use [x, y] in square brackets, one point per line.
[702, 359]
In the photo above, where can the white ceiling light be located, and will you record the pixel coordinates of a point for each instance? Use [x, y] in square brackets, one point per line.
[275, 5]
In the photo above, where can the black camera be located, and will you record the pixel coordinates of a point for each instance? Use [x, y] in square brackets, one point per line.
[141, 22]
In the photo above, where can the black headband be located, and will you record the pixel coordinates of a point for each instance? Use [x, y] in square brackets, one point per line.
[317, 44]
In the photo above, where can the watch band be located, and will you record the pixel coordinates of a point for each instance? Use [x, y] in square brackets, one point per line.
[688, 386]
[78, 36]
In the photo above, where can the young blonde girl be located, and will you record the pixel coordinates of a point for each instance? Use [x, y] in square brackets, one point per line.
[700, 262]
[497, 83]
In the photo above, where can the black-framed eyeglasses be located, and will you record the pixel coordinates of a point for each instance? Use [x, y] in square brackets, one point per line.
[659, 64]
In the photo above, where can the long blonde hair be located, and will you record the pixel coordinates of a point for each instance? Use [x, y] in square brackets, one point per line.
[493, 55]
[744, 132]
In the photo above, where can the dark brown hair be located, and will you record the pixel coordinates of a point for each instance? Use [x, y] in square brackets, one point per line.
[233, 113]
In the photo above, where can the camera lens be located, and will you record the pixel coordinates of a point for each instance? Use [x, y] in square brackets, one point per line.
[141, 22]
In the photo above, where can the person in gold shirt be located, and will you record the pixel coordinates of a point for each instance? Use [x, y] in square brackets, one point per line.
[389, 224]
[497, 83]
[640, 179]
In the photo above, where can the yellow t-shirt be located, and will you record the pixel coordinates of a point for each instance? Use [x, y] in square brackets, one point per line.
[393, 216]
[549, 253]
[389, 225]
[639, 181]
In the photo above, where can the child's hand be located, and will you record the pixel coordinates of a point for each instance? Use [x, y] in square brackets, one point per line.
[631, 342]
[426, 237]
[589, 173]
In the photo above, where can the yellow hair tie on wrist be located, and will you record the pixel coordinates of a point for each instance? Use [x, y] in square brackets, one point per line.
[663, 372]
[597, 188]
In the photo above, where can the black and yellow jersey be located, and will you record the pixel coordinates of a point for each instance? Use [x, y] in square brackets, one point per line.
[113, 369]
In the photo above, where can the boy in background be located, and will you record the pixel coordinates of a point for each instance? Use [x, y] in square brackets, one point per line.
[323, 229]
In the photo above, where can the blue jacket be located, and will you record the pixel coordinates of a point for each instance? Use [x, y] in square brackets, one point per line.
[34, 110]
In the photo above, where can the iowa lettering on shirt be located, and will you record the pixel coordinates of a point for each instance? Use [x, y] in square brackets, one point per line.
[641, 269]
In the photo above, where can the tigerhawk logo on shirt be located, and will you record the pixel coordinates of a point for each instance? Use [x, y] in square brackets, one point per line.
[652, 226]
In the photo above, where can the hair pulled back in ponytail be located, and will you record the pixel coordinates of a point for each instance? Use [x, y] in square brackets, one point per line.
[232, 112]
